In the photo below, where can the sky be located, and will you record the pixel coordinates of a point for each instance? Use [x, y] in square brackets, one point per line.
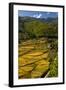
[37, 14]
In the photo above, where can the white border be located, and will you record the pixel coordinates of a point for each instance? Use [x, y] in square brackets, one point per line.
[59, 79]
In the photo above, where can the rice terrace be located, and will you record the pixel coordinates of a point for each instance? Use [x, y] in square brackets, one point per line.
[37, 44]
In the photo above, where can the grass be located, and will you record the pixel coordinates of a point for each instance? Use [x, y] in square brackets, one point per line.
[36, 56]
[54, 68]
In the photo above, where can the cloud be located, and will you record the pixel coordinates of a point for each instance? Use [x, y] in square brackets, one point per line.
[37, 15]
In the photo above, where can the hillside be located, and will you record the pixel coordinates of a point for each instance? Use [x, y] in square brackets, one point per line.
[34, 28]
[38, 48]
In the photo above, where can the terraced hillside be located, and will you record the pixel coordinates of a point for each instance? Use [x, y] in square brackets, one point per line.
[37, 58]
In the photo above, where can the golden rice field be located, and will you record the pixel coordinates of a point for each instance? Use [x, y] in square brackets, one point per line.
[33, 59]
